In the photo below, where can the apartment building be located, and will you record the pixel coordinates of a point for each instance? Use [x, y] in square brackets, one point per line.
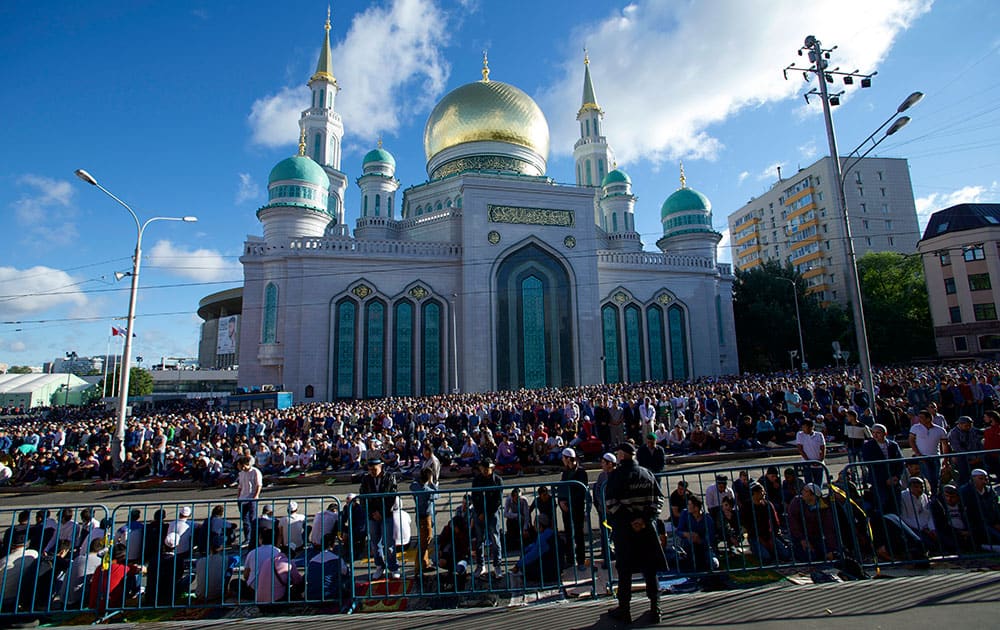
[797, 221]
[960, 251]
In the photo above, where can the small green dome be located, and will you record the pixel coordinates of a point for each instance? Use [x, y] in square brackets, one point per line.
[300, 168]
[379, 155]
[616, 176]
[685, 200]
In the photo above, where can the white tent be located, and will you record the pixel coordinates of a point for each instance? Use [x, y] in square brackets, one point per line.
[40, 390]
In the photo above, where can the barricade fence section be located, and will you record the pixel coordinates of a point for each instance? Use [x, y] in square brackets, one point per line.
[182, 554]
[48, 556]
[914, 509]
[512, 539]
[743, 518]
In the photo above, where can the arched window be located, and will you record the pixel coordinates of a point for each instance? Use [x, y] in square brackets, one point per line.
[420, 210]
[579, 178]
[633, 343]
[678, 342]
[364, 207]
[596, 132]
[533, 318]
[318, 148]
[374, 349]
[270, 329]
[439, 206]
[388, 211]
[458, 202]
[343, 343]
[378, 205]
[322, 98]
[310, 391]
[609, 328]
[590, 179]
[657, 344]
[600, 165]
[587, 122]
[402, 349]
[431, 348]
[718, 320]
[614, 221]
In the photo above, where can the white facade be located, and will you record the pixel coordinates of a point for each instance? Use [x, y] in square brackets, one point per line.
[488, 276]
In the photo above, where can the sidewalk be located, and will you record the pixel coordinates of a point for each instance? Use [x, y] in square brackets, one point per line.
[930, 600]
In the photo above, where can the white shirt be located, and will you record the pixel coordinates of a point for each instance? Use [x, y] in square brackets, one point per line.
[292, 530]
[323, 523]
[258, 559]
[928, 441]
[915, 511]
[250, 482]
[812, 444]
[181, 527]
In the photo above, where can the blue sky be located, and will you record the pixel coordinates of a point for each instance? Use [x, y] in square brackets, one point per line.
[182, 108]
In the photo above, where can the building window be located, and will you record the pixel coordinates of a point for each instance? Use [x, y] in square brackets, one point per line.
[678, 342]
[657, 344]
[985, 312]
[861, 191]
[869, 241]
[892, 241]
[609, 327]
[945, 258]
[633, 343]
[533, 330]
[431, 338]
[885, 208]
[961, 345]
[955, 313]
[979, 282]
[888, 224]
[973, 252]
[375, 349]
[343, 344]
[864, 224]
[590, 178]
[270, 332]
[864, 207]
[882, 191]
[857, 176]
[402, 348]
[989, 342]
[949, 286]
[364, 207]
[879, 173]
[378, 205]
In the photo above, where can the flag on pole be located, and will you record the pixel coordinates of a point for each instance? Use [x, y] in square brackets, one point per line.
[116, 331]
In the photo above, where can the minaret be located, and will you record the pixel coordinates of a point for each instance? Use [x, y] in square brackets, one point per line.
[323, 127]
[591, 152]
[378, 186]
[617, 204]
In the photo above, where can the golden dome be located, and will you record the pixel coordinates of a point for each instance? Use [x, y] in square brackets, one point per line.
[486, 111]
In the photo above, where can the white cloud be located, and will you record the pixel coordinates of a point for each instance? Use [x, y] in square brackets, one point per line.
[926, 206]
[403, 41]
[742, 177]
[248, 189]
[202, 265]
[808, 150]
[46, 211]
[725, 249]
[37, 289]
[665, 72]
[770, 172]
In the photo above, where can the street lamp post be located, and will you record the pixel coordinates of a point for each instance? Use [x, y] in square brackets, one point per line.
[118, 440]
[798, 322]
[818, 56]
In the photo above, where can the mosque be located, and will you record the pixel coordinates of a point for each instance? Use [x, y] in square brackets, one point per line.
[490, 275]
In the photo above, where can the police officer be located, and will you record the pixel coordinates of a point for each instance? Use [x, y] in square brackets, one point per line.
[633, 500]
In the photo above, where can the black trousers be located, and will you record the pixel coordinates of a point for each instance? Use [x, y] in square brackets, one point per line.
[625, 586]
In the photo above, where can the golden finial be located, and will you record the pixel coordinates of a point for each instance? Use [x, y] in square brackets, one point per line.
[586, 57]
[486, 68]
[614, 165]
[327, 27]
[683, 179]
[380, 141]
[302, 142]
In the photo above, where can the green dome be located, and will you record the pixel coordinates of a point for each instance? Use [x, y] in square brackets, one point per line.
[616, 176]
[685, 200]
[300, 168]
[379, 155]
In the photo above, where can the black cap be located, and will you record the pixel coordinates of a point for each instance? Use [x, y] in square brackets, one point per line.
[626, 447]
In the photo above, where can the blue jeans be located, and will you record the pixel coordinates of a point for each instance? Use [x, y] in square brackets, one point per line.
[248, 517]
[381, 541]
[488, 532]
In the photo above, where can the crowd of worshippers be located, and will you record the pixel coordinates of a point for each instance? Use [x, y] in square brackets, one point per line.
[195, 440]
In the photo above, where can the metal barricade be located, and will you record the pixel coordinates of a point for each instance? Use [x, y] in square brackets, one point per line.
[730, 528]
[183, 554]
[471, 542]
[50, 555]
[922, 508]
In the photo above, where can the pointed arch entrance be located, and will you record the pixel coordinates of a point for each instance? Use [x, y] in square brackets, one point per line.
[534, 321]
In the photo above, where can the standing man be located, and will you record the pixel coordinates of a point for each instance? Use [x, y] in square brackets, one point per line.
[381, 521]
[487, 495]
[633, 500]
[928, 440]
[249, 483]
[885, 465]
[573, 504]
[812, 448]
[652, 456]
[608, 464]
[965, 438]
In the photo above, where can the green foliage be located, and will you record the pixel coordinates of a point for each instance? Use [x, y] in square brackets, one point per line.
[764, 308]
[140, 382]
[897, 314]
[19, 369]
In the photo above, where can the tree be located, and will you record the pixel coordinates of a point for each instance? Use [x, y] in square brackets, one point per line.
[140, 382]
[19, 369]
[764, 308]
[897, 311]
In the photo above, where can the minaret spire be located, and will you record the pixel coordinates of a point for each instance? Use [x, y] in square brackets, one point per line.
[302, 142]
[324, 68]
[683, 179]
[486, 68]
[589, 98]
